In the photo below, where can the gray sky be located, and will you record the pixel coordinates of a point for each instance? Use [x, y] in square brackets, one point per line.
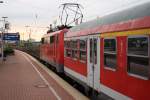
[22, 12]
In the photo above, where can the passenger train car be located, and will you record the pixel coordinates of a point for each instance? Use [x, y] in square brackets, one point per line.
[110, 54]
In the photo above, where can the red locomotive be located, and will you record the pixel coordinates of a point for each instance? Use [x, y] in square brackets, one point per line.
[52, 49]
[110, 55]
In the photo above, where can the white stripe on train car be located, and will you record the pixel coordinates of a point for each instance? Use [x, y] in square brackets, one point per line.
[75, 74]
[112, 93]
[102, 88]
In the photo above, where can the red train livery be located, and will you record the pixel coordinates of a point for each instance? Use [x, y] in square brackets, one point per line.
[110, 54]
[52, 49]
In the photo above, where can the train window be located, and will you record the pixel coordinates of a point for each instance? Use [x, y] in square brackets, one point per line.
[74, 47]
[83, 56]
[95, 51]
[82, 49]
[138, 46]
[75, 54]
[52, 39]
[70, 44]
[68, 53]
[110, 53]
[110, 45]
[74, 44]
[83, 44]
[138, 58]
[91, 45]
[67, 44]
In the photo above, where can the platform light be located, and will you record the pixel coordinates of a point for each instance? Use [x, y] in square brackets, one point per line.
[1, 2]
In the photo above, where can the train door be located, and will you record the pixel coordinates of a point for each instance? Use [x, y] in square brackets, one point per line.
[93, 61]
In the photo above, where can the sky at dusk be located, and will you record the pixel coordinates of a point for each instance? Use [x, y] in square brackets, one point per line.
[39, 14]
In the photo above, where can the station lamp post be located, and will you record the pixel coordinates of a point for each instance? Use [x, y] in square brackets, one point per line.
[2, 41]
[1, 2]
[2, 36]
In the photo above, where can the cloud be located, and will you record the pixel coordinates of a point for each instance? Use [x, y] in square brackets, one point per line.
[22, 12]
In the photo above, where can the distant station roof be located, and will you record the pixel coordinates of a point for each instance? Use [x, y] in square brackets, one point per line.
[125, 15]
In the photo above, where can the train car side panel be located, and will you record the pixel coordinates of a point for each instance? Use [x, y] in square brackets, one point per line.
[121, 80]
[76, 66]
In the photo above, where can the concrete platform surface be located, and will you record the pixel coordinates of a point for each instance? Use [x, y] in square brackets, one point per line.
[24, 78]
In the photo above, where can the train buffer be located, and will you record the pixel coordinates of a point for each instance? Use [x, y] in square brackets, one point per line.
[23, 78]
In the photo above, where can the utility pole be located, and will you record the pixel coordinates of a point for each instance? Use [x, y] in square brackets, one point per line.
[30, 35]
[3, 32]
[27, 26]
[2, 39]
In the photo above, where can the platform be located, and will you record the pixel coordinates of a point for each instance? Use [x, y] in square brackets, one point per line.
[24, 78]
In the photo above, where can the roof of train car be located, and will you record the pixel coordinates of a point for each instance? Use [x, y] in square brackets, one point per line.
[135, 12]
[55, 32]
[52, 33]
